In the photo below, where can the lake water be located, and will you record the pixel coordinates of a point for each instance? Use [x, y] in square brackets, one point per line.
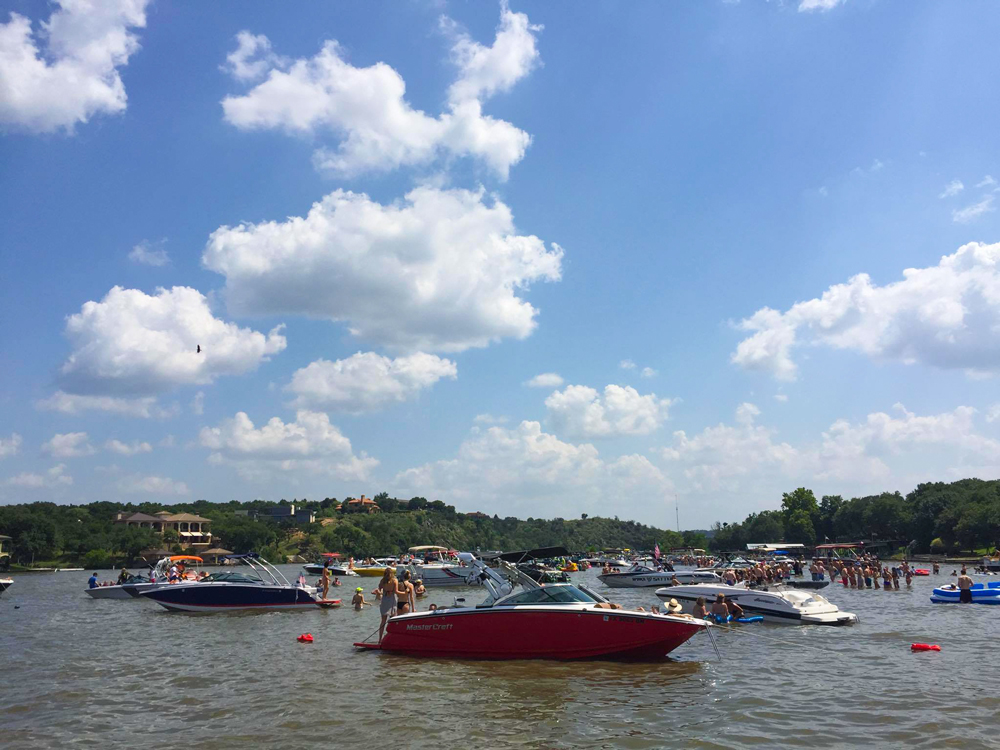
[80, 673]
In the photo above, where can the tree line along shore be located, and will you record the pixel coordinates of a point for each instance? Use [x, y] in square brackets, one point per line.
[938, 518]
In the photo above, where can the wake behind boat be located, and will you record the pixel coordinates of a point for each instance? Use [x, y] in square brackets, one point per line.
[552, 621]
[257, 586]
[774, 603]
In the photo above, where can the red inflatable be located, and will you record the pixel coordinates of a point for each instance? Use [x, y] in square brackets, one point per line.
[921, 572]
[305, 638]
[924, 647]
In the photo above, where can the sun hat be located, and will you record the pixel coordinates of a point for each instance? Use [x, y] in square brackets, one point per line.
[673, 607]
[358, 588]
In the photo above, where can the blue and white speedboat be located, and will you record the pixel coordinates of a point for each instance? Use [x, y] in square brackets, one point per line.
[982, 593]
[257, 586]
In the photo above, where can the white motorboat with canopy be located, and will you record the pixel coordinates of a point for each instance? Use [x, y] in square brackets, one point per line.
[159, 576]
[441, 566]
[775, 603]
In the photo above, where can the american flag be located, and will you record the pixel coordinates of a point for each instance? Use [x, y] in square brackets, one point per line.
[656, 552]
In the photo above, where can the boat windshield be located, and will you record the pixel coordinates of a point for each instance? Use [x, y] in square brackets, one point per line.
[229, 577]
[548, 595]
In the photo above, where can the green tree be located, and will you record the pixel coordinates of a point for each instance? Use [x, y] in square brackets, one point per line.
[799, 528]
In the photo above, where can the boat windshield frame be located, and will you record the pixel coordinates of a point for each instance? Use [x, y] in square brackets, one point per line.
[548, 595]
[263, 568]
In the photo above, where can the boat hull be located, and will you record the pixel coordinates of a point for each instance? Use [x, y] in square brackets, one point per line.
[222, 597]
[335, 570]
[650, 580]
[759, 602]
[537, 633]
[5, 583]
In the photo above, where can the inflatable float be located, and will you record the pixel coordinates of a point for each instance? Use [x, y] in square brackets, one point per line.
[720, 620]
[988, 593]
[921, 572]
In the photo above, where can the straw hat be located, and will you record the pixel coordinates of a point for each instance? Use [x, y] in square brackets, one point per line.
[674, 607]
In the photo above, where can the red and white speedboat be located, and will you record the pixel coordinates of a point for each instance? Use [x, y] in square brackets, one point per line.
[538, 621]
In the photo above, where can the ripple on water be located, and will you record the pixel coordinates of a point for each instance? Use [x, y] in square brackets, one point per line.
[89, 673]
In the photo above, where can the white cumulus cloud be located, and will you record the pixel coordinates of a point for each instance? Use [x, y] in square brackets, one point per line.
[131, 344]
[10, 446]
[441, 270]
[310, 444]
[545, 380]
[528, 471]
[366, 109]
[580, 411]
[76, 75]
[53, 478]
[366, 381]
[947, 316]
[69, 445]
[127, 449]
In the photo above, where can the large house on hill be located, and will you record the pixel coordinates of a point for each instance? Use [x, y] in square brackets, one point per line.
[192, 530]
[360, 505]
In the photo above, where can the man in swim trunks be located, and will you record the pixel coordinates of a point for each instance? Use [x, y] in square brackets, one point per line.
[964, 588]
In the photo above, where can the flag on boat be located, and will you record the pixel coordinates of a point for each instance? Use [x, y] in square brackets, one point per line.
[656, 552]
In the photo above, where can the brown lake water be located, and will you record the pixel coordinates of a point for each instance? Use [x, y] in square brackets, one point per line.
[82, 673]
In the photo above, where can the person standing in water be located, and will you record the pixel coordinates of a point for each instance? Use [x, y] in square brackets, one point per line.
[407, 601]
[388, 606]
[964, 588]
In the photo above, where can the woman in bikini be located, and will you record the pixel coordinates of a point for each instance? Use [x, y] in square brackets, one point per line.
[406, 598]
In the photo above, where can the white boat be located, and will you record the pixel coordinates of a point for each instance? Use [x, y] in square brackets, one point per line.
[773, 603]
[136, 585]
[439, 568]
[643, 576]
[5, 583]
[729, 562]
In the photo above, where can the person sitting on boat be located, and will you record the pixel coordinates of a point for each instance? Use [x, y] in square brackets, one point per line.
[700, 611]
[674, 581]
[418, 588]
[92, 581]
[964, 588]
[729, 578]
[358, 600]
[674, 607]
[173, 575]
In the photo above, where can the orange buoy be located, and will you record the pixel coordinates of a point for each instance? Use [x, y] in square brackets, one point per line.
[305, 638]
[924, 647]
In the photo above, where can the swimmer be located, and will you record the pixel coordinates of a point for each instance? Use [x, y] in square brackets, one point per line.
[358, 600]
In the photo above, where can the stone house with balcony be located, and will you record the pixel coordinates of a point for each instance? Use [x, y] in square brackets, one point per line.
[360, 505]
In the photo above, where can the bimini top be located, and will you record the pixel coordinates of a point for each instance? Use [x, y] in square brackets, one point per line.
[529, 554]
[428, 548]
[178, 558]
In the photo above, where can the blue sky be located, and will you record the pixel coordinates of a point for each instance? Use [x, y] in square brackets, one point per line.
[381, 222]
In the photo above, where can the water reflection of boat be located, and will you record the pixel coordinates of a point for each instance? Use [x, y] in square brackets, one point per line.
[553, 621]
[256, 586]
[774, 603]
[159, 576]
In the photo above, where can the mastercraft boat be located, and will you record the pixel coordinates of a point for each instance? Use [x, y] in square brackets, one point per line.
[774, 603]
[256, 586]
[159, 576]
[644, 576]
[550, 621]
